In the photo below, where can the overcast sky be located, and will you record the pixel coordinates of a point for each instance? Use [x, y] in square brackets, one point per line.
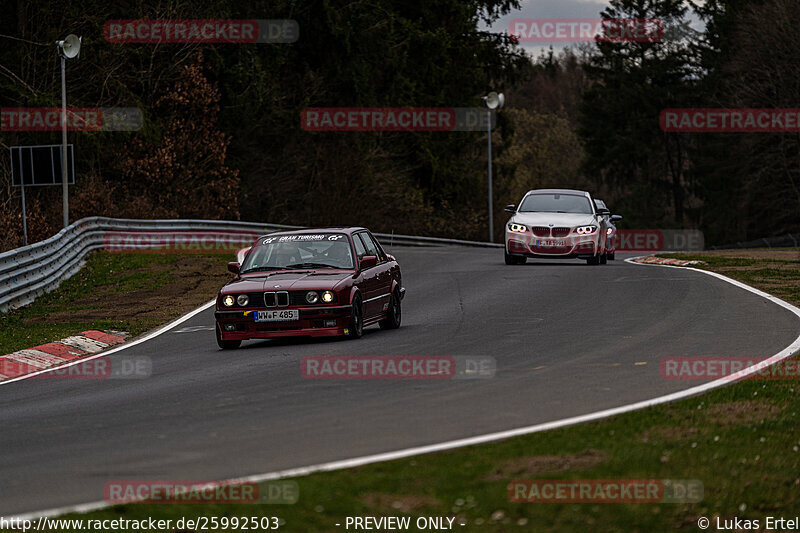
[550, 9]
[553, 9]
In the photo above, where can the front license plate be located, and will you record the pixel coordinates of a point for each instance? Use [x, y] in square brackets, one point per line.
[551, 243]
[285, 315]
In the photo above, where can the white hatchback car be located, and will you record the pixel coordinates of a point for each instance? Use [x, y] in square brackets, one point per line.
[556, 224]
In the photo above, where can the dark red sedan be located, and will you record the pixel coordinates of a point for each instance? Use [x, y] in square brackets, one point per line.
[311, 282]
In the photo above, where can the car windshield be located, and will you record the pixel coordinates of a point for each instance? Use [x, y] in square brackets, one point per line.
[288, 252]
[556, 203]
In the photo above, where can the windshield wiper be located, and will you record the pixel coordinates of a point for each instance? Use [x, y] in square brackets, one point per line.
[261, 269]
[310, 265]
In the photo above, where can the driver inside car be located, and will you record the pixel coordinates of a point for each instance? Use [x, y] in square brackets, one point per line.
[339, 255]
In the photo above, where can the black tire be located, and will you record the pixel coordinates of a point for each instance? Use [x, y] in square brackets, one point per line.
[356, 329]
[611, 256]
[594, 260]
[515, 259]
[226, 345]
[603, 259]
[394, 314]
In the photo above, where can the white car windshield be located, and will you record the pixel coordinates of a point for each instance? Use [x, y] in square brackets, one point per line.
[556, 203]
[324, 250]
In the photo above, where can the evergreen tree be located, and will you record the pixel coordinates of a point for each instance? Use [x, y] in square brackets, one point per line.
[632, 82]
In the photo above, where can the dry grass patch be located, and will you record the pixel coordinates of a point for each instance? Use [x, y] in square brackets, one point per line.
[741, 412]
[404, 503]
[541, 464]
[189, 283]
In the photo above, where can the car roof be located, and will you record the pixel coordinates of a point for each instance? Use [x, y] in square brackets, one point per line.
[559, 191]
[307, 231]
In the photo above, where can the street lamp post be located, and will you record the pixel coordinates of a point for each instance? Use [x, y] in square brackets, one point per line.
[493, 101]
[69, 48]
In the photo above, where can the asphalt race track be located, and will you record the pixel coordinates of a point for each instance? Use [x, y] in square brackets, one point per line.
[566, 337]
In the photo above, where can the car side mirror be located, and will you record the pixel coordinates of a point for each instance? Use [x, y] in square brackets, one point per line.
[368, 261]
[616, 218]
[234, 267]
[511, 208]
[603, 211]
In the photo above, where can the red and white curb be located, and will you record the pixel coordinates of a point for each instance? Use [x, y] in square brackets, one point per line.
[57, 353]
[653, 260]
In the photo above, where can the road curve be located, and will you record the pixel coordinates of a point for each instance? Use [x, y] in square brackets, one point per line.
[568, 338]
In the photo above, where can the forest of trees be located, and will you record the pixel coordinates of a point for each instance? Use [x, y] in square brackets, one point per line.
[222, 135]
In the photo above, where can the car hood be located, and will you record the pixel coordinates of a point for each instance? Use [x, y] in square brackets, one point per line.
[300, 280]
[553, 219]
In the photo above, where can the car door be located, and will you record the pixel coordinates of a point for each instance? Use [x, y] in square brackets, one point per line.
[602, 224]
[368, 284]
[377, 279]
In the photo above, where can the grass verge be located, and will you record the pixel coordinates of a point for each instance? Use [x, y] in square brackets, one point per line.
[776, 271]
[123, 292]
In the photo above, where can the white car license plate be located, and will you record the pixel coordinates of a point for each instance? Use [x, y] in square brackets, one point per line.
[285, 315]
[551, 243]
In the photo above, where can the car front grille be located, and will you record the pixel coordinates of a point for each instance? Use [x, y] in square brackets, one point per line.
[289, 298]
[560, 232]
[276, 299]
[541, 231]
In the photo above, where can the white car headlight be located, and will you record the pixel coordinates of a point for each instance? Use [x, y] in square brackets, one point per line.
[519, 228]
[585, 230]
[242, 300]
[609, 231]
[312, 297]
[228, 301]
[327, 297]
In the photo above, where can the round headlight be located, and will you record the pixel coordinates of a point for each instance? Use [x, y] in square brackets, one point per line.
[609, 231]
[242, 300]
[327, 297]
[227, 301]
[312, 297]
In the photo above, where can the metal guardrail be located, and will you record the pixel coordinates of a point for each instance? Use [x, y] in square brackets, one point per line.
[30, 271]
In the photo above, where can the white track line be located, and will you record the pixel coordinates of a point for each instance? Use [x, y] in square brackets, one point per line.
[479, 439]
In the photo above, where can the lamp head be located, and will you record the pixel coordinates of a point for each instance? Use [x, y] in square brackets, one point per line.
[70, 47]
[494, 100]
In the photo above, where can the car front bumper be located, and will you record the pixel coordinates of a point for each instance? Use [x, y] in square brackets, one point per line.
[527, 244]
[313, 322]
